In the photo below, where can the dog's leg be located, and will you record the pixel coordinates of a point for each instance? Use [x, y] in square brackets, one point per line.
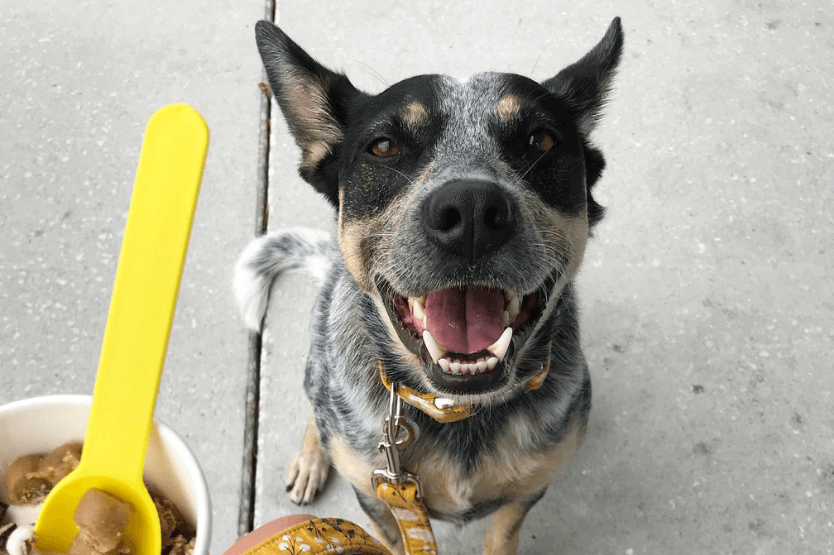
[504, 532]
[309, 468]
[385, 526]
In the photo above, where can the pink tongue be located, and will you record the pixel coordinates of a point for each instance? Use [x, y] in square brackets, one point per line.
[465, 320]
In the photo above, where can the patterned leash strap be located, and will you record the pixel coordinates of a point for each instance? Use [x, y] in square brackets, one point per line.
[320, 536]
[400, 490]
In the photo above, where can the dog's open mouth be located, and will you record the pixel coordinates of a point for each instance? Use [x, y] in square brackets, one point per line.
[465, 335]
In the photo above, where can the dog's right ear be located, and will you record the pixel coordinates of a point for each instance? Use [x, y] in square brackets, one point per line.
[314, 101]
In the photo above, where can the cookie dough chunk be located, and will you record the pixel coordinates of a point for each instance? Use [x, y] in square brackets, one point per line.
[176, 532]
[60, 462]
[25, 485]
[101, 519]
[181, 546]
[29, 479]
[169, 518]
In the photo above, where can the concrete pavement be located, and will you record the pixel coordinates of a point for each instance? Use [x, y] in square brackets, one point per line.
[78, 82]
[706, 296]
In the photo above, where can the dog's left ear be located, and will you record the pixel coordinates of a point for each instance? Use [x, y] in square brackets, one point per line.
[314, 101]
[585, 84]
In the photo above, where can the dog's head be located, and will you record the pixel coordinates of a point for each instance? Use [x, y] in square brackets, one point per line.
[463, 207]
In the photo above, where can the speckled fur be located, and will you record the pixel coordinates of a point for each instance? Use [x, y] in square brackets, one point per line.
[502, 457]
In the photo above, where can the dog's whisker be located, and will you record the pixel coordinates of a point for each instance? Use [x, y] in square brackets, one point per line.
[530, 75]
[372, 71]
[542, 95]
[410, 181]
[536, 161]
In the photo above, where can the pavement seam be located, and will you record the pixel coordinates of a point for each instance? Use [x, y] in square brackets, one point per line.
[248, 490]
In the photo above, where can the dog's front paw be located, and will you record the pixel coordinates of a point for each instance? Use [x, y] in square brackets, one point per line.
[307, 474]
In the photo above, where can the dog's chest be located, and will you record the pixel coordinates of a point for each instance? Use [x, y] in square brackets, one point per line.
[505, 472]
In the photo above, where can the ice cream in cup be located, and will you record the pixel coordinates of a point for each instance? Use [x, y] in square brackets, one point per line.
[40, 425]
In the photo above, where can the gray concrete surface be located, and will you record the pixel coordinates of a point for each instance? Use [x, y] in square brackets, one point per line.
[78, 81]
[707, 304]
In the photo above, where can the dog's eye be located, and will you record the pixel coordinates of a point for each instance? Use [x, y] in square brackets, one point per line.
[384, 148]
[541, 141]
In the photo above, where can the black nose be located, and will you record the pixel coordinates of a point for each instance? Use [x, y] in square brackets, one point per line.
[469, 218]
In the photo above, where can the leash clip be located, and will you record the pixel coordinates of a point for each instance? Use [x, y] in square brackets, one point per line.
[397, 433]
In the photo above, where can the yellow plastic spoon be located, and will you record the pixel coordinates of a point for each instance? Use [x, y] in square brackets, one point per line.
[136, 337]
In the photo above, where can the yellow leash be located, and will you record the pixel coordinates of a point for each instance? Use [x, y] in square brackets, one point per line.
[318, 536]
[408, 509]
[399, 489]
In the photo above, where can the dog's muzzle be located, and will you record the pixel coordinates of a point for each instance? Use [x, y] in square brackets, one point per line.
[466, 334]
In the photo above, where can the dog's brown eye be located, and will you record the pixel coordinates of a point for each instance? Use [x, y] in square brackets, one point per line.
[384, 148]
[541, 140]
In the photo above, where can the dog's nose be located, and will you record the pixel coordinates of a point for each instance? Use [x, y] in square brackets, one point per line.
[469, 218]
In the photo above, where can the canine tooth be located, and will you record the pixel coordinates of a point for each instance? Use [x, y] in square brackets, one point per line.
[455, 367]
[499, 348]
[425, 322]
[491, 363]
[506, 318]
[417, 309]
[481, 364]
[444, 364]
[514, 307]
[442, 403]
[435, 350]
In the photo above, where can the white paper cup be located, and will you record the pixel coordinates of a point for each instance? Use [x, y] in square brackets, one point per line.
[41, 424]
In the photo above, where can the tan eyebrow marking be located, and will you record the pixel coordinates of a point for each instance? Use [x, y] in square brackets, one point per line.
[414, 114]
[508, 107]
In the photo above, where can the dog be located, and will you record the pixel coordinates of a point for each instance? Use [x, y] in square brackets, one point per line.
[462, 214]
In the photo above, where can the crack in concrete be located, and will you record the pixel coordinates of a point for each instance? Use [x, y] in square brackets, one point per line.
[246, 514]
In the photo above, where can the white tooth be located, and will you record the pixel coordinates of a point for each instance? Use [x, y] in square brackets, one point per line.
[492, 362]
[473, 368]
[417, 309]
[506, 318]
[442, 403]
[514, 307]
[499, 348]
[425, 323]
[435, 350]
[455, 367]
[482, 365]
[444, 364]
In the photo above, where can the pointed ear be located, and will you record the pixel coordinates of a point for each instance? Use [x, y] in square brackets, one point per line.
[586, 83]
[314, 101]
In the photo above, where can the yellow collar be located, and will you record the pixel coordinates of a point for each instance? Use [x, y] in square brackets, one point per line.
[444, 410]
